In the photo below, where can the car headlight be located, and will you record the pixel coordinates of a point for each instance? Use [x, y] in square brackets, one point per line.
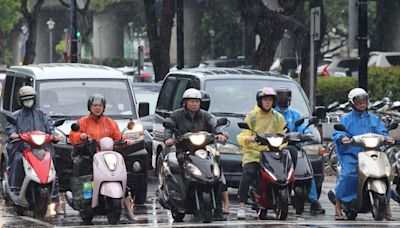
[111, 161]
[201, 153]
[136, 133]
[193, 169]
[216, 170]
[275, 141]
[38, 139]
[197, 139]
[229, 149]
[371, 141]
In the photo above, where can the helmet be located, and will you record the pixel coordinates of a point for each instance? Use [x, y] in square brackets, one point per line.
[263, 92]
[26, 93]
[106, 144]
[191, 94]
[96, 99]
[283, 97]
[357, 93]
[205, 100]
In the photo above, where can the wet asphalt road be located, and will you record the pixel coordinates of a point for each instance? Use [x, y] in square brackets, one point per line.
[153, 215]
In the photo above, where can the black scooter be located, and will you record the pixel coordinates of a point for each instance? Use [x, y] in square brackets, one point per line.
[194, 190]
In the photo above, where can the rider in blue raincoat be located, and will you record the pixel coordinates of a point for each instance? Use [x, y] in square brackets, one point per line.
[284, 97]
[358, 121]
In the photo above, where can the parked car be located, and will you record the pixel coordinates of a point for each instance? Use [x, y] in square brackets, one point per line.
[321, 68]
[146, 74]
[285, 65]
[223, 62]
[342, 67]
[62, 93]
[383, 59]
[232, 92]
[147, 92]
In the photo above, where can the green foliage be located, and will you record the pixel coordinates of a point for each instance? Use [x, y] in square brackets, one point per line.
[111, 62]
[380, 81]
[61, 47]
[9, 11]
[101, 5]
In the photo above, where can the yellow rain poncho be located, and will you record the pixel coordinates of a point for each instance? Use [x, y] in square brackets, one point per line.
[260, 122]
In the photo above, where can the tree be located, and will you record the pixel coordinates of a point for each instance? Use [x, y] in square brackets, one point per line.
[8, 9]
[270, 26]
[30, 16]
[159, 34]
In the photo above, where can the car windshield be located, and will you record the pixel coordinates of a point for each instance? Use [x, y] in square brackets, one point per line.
[239, 96]
[147, 95]
[69, 97]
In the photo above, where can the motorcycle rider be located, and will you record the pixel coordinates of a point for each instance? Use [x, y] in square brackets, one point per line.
[191, 118]
[358, 121]
[284, 97]
[263, 118]
[96, 125]
[28, 118]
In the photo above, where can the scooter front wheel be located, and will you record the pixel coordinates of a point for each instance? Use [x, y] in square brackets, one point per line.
[113, 207]
[178, 217]
[379, 206]
[298, 200]
[41, 199]
[282, 204]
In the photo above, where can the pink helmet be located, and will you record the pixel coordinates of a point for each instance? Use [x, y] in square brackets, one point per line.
[106, 144]
[263, 92]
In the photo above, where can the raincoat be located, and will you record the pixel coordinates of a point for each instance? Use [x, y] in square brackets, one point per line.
[96, 128]
[356, 123]
[260, 122]
[26, 120]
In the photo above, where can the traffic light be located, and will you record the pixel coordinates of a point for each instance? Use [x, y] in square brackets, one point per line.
[78, 34]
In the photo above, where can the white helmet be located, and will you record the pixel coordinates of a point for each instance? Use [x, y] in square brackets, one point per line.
[192, 94]
[357, 92]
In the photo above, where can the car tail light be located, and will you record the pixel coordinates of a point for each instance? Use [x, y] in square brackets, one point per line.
[324, 71]
[145, 75]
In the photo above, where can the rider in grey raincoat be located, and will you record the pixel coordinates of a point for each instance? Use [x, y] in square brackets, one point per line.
[358, 121]
[28, 118]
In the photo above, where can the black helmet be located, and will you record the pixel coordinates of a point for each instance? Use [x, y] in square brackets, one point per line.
[205, 100]
[96, 99]
[26, 93]
[284, 97]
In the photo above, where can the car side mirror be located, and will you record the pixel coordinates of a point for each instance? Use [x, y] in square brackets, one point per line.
[339, 127]
[169, 124]
[75, 127]
[144, 108]
[313, 120]
[320, 112]
[392, 126]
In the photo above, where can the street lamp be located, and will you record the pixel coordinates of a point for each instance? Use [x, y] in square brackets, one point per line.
[212, 34]
[50, 23]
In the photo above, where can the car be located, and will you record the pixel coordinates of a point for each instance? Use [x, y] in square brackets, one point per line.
[383, 59]
[285, 65]
[223, 62]
[342, 67]
[232, 92]
[321, 68]
[147, 92]
[146, 74]
[62, 93]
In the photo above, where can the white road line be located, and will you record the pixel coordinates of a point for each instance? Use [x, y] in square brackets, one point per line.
[36, 221]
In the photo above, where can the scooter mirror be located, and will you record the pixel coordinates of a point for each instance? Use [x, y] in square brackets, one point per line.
[169, 124]
[393, 125]
[339, 127]
[75, 127]
[299, 122]
[59, 122]
[222, 121]
[243, 125]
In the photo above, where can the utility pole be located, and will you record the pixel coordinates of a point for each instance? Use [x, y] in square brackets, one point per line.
[73, 29]
[179, 34]
[315, 33]
[362, 44]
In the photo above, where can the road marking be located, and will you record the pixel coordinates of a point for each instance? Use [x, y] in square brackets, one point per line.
[36, 221]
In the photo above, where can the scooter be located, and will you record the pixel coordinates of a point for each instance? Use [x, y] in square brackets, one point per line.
[39, 181]
[304, 173]
[276, 176]
[99, 180]
[374, 175]
[194, 190]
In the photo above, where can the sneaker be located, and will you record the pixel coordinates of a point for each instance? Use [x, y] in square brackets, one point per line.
[316, 208]
[241, 214]
[219, 215]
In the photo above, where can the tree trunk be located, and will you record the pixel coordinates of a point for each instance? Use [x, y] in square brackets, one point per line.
[159, 36]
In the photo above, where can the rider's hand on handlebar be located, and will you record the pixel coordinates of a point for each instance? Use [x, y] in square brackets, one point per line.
[56, 138]
[14, 136]
[129, 142]
[346, 140]
[250, 139]
[221, 138]
[84, 136]
[389, 139]
[169, 142]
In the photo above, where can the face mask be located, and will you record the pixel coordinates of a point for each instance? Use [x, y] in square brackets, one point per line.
[28, 103]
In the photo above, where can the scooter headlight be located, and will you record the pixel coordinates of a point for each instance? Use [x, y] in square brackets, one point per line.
[371, 142]
[216, 170]
[193, 169]
[38, 139]
[275, 141]
[197, 139]
[111, 161]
